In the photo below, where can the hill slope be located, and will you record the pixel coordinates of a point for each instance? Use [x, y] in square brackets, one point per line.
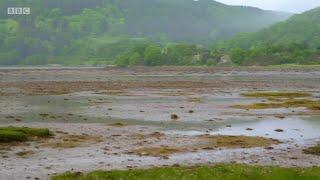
[296, 40]
[194, 21]
[65, 32]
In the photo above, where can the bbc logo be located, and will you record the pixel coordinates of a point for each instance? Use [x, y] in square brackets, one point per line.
[19, 11]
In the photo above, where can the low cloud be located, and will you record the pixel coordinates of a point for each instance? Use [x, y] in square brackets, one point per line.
[296, 6]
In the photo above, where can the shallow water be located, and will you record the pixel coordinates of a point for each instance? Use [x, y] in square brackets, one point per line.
[297, 129]
[211, 113]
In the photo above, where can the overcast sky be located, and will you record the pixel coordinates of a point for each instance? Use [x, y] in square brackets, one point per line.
[296, 6]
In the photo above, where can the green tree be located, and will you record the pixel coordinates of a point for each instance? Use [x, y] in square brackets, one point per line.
[152, 55]
[135, 59]
[238, 55]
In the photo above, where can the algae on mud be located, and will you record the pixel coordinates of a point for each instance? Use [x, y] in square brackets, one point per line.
[156, 151]
[72, 141]
[315, 150]
[281, 100]
[238, 141]
[207, 142]
[25, 154]
[218, 172]
[117, 124]
[276, 94]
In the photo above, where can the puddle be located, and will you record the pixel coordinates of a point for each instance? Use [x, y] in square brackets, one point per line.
[297, 129]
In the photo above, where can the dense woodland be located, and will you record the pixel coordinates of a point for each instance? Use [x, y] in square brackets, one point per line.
[108, 31]
[155, 32]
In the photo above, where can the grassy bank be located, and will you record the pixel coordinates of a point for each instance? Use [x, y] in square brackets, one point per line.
[223, 172]
[14, 134]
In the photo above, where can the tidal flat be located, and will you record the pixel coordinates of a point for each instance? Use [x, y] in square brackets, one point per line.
[136, 118]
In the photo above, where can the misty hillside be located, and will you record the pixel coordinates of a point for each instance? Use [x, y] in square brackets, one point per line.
[97, 31]
[193, 21]
[296, 40]
[301, 29]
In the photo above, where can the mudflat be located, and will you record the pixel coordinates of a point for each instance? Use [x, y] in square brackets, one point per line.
[124, 118]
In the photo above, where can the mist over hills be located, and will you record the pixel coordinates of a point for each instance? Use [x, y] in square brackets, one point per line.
[97, 31]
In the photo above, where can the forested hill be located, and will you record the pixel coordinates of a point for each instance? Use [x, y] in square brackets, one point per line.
[296, 40]
[96, 31]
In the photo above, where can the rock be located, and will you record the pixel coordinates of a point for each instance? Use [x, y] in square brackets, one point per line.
[269, 148]
[174, 117]
[280, 116]
[279, 130]
[207, 148]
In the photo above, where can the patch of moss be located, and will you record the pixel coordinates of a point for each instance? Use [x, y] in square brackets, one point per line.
[12, 136]
[277, 94]
[315, 150]
[19, 134]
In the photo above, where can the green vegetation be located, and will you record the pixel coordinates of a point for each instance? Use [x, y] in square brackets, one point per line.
[14, 134]
[154, 33]
[170, 54]
[232, 172]
[64, 32]
[315, 150]
[295, 41]
[281, 100]
[310, 104]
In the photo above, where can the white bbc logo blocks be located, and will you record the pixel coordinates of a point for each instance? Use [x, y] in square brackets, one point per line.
[26, 11]
[11, 11]
[19, 11]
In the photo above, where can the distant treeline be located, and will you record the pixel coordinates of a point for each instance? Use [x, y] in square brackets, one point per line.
[153, 33]
[296, 40]
[171, 54]
[98, 31]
